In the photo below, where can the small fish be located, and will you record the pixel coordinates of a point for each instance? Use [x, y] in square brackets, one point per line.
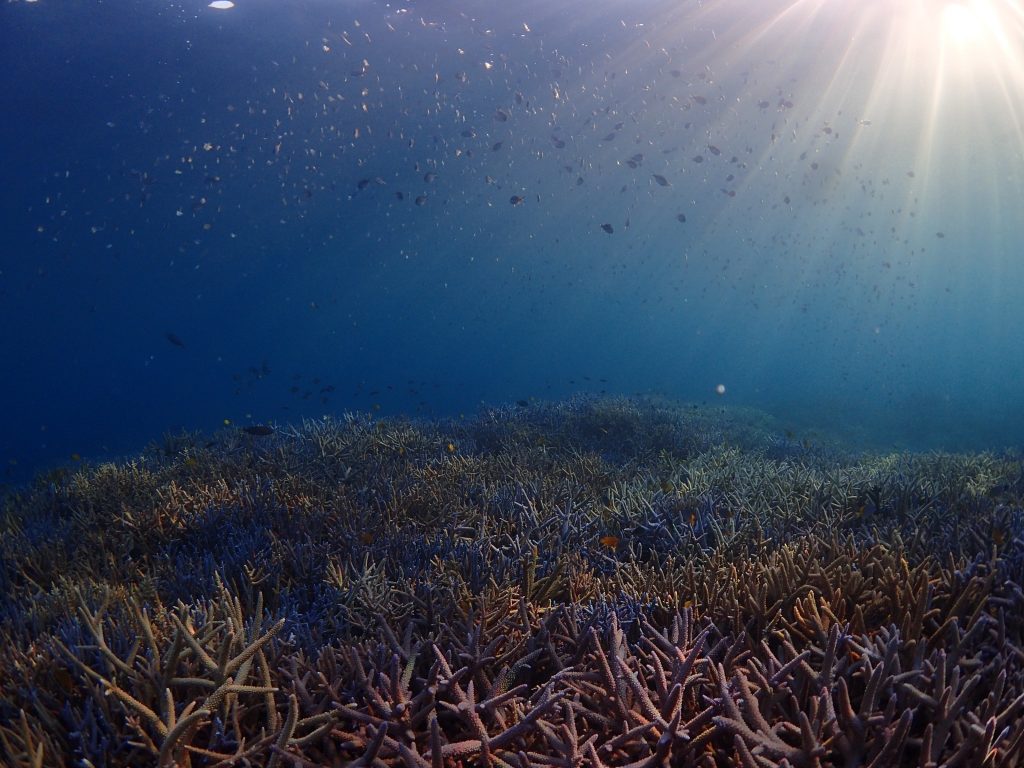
[429, 176]
[609, 542]
[496, 146]
[258, 430]
[608, 228]
[516, 199]
[174, 339]
[681, 218]
[662, 181]
[501, 115]
[420, 200]
[714, 150]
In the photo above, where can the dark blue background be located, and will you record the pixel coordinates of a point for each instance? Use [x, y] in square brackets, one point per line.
[846, 290]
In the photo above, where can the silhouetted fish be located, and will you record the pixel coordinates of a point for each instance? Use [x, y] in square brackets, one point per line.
[259, 430]
[174, 339]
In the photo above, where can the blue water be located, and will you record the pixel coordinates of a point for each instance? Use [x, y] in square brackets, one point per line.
[229, 181]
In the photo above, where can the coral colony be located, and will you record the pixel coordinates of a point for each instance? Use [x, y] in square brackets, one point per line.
[588, 583]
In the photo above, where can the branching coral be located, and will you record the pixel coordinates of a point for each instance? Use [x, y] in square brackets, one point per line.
[591, 583]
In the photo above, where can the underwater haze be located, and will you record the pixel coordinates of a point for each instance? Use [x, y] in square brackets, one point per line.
[254, 214]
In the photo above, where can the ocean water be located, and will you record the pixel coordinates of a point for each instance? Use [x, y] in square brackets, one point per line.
[288, 209]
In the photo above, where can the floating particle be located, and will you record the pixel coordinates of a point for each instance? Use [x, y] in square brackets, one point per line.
[608, 228]
[720, 389]
[222, 5]
[662, 181]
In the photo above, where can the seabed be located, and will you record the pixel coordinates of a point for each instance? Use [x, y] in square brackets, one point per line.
[597, 582]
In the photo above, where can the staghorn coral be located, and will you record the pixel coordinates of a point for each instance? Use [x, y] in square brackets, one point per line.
[589, 583]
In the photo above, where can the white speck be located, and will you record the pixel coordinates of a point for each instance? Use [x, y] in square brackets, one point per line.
[720, 389]
[222, 5]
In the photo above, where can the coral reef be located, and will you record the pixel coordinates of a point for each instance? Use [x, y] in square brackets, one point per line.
[598, 582]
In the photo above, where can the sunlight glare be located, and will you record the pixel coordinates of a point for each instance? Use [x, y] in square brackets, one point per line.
[961, 24]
